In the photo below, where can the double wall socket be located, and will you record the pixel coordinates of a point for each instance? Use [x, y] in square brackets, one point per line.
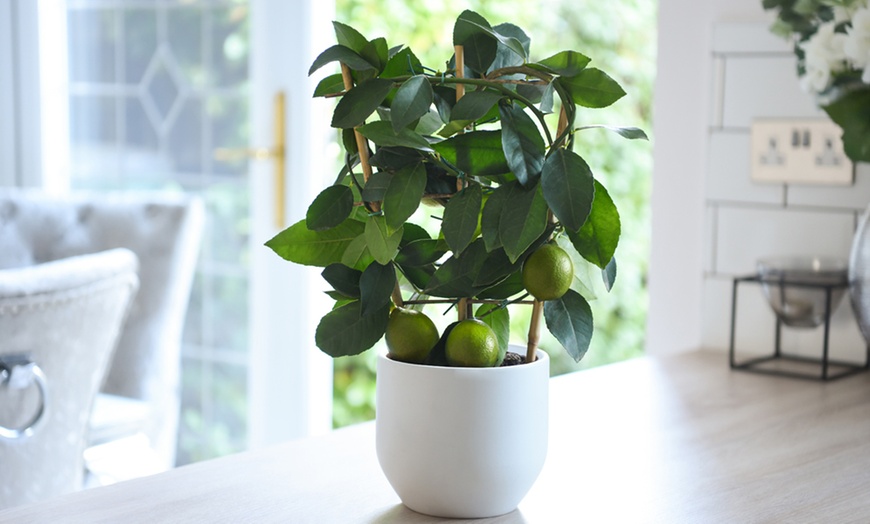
[799, 151]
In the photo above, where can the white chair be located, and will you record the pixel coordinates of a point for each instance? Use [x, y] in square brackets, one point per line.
[164, 231]
[59, 322]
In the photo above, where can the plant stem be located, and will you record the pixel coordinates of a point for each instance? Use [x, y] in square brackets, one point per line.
[397, 295]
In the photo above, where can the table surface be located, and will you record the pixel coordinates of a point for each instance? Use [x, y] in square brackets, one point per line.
[671, 439]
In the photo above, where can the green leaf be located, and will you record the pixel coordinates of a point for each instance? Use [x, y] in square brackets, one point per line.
[631, 133]
[382, 242]
[418, 276]
[357, 255]
[453, 127]
[412, 232]
[342, 279]
[382, 134]
[349, 37]
[507, 55]
[395, 158]
[496, 268]
[852, 113]
[475, 105]
[421, 252]
[478, 153]
[299, 244]
[592, 88]
[360, 102]
[344, 331]
[376, 187]
[461, 217]
[403, 195]
[499, 319]
[568, 187]
[376, 286]
[455, 277]
[569, 319]
[340, 53]
[596, 241]
[329, 85]
[401, 64]
[523, 219]
[507, 288]
[498, 265]
[566, 63]
[411, 102]
[445, 99]
[522, 144]
[491, 215]
[474, 33]
[375, 52]
[609, 274]
[330, 208]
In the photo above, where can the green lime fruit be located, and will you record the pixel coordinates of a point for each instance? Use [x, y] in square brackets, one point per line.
[472, 343]
[548, 272]
[411, 335]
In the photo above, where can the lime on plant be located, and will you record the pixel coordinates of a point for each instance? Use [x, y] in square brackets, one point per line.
[548, 272]
[472, 343]
[410, 335]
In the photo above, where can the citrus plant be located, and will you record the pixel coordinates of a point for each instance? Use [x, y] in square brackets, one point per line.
[474, 139]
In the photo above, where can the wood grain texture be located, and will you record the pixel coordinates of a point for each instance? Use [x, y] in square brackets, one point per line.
[674, 439]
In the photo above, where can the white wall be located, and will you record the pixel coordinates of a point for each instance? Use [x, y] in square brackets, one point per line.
[718, 68]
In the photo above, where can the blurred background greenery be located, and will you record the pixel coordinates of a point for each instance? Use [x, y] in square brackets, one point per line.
[620, 37]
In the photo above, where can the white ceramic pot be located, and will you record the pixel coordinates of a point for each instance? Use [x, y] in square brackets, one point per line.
[462, 442]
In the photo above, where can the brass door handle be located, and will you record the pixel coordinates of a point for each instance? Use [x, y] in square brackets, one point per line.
[277, 152]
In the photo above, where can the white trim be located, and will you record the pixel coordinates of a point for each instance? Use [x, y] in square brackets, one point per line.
[54, 96]
[8, 142]
[290, 381]
[27, 98]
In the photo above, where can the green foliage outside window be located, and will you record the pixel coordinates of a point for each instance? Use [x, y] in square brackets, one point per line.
[620, 35]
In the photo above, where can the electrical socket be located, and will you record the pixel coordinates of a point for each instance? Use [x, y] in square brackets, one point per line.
[799, 151]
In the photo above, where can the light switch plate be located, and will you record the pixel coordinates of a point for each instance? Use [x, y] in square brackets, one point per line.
[799, 151]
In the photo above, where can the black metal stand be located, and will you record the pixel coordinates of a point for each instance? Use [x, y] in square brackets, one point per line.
[825, 363]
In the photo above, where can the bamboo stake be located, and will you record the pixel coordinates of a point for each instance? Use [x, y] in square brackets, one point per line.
[462, 309]
[534, 331]
[362, 144]
[538, 306]
[459, 53]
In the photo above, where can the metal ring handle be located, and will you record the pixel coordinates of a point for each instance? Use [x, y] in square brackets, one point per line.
[18, 373]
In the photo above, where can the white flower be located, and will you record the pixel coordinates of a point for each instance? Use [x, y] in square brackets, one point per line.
[857, 45]
[817, 76]
[828, 45]
[824, 55]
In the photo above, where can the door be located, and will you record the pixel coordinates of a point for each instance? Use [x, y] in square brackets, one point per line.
[139, 95]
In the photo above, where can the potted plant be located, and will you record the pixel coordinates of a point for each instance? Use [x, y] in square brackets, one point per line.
[486, 143]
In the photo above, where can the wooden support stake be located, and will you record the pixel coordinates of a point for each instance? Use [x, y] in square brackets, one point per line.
[362, 144]
[534, 331]
[459, 54]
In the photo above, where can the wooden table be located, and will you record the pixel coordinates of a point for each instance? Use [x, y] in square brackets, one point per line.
[676, 439]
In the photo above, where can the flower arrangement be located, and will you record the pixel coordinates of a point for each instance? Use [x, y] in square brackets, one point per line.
[832, 43]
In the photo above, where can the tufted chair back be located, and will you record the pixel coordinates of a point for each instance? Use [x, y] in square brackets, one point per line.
[59, 322]
[164, 231]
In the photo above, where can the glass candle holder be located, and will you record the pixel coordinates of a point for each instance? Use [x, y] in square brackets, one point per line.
[796, 287]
